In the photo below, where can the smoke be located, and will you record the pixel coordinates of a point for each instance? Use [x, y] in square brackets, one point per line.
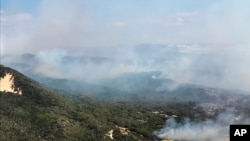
[208, 130]
[167, 86]
[217, 53]
[222, 62]
[58, 63]
[216, 67]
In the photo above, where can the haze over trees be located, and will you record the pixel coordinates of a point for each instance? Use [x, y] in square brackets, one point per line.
[43, 113]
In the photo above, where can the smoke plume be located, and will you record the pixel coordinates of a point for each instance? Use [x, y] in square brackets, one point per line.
[209, 130]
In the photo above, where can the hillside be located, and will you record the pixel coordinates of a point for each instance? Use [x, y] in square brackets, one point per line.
[41, 114]
[65, 110]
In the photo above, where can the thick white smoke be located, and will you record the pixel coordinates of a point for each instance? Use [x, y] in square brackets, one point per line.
[208, 130]
[67, 28]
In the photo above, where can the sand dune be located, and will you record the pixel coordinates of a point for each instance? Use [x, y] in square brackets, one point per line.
[6, 83]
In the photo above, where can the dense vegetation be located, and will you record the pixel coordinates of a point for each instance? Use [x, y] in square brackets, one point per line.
[86, 119]
[42, 114]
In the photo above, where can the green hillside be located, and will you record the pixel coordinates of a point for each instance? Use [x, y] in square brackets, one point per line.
[40, 114]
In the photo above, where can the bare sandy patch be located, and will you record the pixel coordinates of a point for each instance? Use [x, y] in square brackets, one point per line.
[110, 134]
[123, 130]
[6, 82]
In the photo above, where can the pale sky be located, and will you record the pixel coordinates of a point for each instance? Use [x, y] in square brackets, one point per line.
[33, 25]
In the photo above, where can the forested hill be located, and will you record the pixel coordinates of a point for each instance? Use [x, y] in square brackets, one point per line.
[40, 114]
[30, 89]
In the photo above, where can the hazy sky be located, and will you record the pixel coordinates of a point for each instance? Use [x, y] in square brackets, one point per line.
[32, 25]
[55, 28]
